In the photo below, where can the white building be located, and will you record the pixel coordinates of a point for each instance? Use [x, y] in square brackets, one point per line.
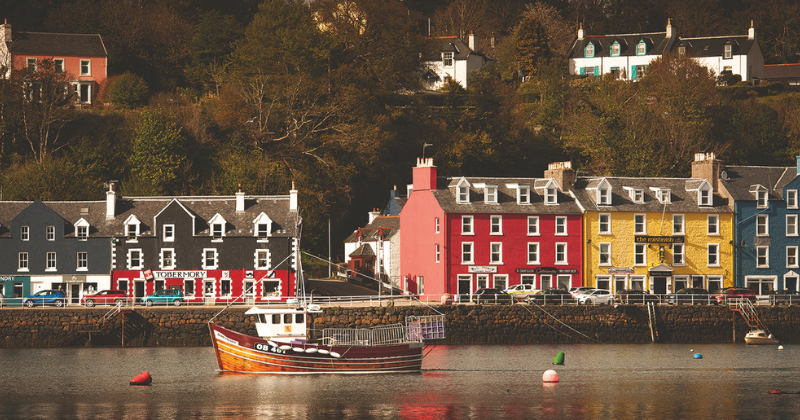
[452, 60]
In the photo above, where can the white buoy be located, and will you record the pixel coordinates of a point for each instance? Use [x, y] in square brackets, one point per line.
[780, 347]
[285, 347]
[323, 351]
[298, 349]
[550, 376]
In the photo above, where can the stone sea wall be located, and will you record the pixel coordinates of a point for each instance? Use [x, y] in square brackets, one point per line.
[466, 324]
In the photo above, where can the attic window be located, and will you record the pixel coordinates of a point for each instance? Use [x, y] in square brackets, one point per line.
[728, 51]
[462, 192]
[589, 50]
[132, 228]
[663, 195]
[704, 195]
[761, 197]
[615, 49]
[641, 48]
[263, 226]
[217, 224]
[447, 59]
[637, 195]
[490, 194]
[550, 196]
[524, 194]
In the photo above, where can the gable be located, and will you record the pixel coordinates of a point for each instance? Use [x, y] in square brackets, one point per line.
[38, 214]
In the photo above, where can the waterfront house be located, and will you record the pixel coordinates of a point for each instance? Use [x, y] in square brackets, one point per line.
[374, 250]
[465, 233]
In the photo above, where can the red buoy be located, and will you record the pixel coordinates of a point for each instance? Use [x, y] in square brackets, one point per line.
[143, 378]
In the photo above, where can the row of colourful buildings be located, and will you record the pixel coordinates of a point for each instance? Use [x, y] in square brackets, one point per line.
[725, 226]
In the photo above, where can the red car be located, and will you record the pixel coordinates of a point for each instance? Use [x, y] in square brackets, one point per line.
[105, 297]
[735, 293]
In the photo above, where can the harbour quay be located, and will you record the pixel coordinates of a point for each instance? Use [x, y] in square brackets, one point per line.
[466, 324]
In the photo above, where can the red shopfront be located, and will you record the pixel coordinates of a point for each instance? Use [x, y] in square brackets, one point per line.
[209, 286]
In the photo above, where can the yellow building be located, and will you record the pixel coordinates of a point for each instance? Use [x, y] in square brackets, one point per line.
[655, 234]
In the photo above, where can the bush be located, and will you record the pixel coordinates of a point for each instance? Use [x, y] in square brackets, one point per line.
[128, 91]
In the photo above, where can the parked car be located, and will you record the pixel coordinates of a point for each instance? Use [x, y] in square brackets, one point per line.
[552, 297]
[734, 293]
[164, 297]
[491, 295]
[3, 301]
[596, 297]
[522, 291]
[575, 291]
[784, 297]
[691, 295]
[45, 297]
[633, 296]
[105, 297]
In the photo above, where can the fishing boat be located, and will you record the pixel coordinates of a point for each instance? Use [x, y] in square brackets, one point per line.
[284, 345]
[759, 336]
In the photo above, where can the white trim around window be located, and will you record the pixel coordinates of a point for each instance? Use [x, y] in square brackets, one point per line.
[210, 259]
[791, 199]
[496, 253]
[467, 253]
[533, 253]
[639, 255]
[604, 254]
[82, 261]
[762, 225]
[640, 224]
[168, 233]
[495, 225]
[762, 256]
[713, 255]
[561, 226]
[561, 253]
[678, 224]
[135, 259]
[678, 255]
[22, 262]
[533, 226]
[791, 225]
[604, 224]
[167, 258]
[791, 257]
[467, 225]
[713, 225]
[262, 259]
[51, 262]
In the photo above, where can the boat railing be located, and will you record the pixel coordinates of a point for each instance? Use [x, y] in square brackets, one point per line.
[376, 336]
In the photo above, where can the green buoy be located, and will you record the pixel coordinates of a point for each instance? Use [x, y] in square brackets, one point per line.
[559, 359]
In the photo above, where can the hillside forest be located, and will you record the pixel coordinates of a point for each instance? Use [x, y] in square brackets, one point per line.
[207, 95]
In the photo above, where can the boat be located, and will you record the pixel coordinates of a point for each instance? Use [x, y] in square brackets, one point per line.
[759, 337]
[284, 345]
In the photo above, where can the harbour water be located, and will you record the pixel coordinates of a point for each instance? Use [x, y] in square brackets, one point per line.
[608, 381]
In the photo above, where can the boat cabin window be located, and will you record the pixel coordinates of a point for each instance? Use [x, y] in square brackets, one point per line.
[287, 318]
[299, 319]
[276, 318]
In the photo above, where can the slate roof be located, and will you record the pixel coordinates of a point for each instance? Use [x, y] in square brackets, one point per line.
[681, 200]
[715, 46]
[739, 180]
[782, 71]
[453, 44]
[363, 251]
[145, 208]
[42, 43]
[389, 225]
[445, 194]
[657, 44]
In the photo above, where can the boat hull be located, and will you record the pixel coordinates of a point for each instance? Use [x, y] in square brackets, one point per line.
[237, 352]
[759, 337]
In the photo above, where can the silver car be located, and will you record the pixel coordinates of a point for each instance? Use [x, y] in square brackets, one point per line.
[596, 297]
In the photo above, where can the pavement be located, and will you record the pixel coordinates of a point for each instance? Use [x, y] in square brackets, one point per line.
[335, 287]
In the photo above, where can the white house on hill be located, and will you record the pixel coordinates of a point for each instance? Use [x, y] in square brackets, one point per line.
[452, 60]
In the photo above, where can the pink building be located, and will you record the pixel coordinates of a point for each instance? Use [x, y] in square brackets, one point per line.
[461, 234]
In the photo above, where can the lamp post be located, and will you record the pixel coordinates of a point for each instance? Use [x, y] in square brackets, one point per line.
[423, 149]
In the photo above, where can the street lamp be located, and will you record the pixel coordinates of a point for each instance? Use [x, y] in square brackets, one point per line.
[423, 149]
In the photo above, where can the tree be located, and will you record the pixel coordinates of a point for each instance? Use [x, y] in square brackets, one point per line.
[128, 90]
[157, 156]
[532, 44]
[212, 44]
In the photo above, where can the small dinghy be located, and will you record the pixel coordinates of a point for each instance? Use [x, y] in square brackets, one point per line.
[759, 337]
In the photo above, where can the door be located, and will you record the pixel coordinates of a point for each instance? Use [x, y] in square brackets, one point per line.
[74, 293]
[138, 289]
[463, 288]
[660, 285]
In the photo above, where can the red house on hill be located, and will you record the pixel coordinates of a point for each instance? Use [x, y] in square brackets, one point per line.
[464, 233]
[82, 56]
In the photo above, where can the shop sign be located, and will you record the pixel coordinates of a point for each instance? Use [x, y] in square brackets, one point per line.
[659, 239]
[548, 270]
[75, 279]
[660, 274]
[181, 274]
[620, 270]
[483, 269]
[6, 278]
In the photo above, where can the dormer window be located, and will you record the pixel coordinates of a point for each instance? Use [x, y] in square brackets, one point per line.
[490, 194]
[641, 48]
[132, 228]
[447, 59]
[704, 195]
[82, 230]
[524, 194]
[589, 50]
[636, 195]
[550, 195]
[217, 227]
[462, 192]
[604, 193]
[761, 198]
[615, 49]
[262, 226]
[728, 53]
[662, 194]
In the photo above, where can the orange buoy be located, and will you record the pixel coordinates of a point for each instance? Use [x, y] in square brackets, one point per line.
[143, 378]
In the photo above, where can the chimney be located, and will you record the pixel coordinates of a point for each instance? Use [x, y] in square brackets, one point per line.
[562, 173]
[111, 199]
[669, 28]
[240, 200]
[293, 198]
[580, 32]
[472, 41]
[706, 166]
[373, 215]
[6, 32]
[424, 175]
[751, 33]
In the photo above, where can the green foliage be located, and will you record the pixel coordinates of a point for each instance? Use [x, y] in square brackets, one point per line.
[157, 156]
[532, 45]
[128, 90]
[53, 179]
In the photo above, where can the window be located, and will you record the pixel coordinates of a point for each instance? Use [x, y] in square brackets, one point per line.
[639, 224]
[589, 50]
[169, 233]
[704, 196]
[605, 253]
[438, 254]
[466, 225]
[447, 59]
[678, 254]
[713, 224]
[663, 195]
[761, 197]
[533, 253]
[188, 287]
[524, 195]
[641, 48]
[561, 253]
[728, 51]
[23, 261]
[31, 63]
[791, 199]
[209, 258]
[533, 225]
[604, 196]
[270, 289]
[134, 259]
[225, 287]
[637, 196]
[58, 65]
[83, 261]
[791, 257]
[436, 223]
[791, 225]
[640, 254]
[262, 259]
[466, 253]
[463, 193]
[677, 224]
[713, 255]
[604, 224]
[50, 233]
[51, 261]
[762, 225]
[167, 258]
[762, 257]
[83, 233]
[561, 226]
[86, 67]
[24, 233]
[496, 253]
[501, 281]
[490, 194]
[550, 195]
[496, 225]
[216, 231]
[615, 49]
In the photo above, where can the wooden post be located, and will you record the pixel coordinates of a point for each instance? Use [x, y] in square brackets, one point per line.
[733, 320]
[123, 330]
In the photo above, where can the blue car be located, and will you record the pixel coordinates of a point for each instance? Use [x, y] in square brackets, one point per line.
[164, 297]
[45, 297]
